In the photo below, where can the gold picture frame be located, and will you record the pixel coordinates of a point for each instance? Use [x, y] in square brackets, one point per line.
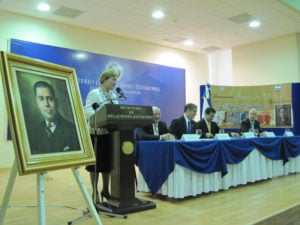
[36, 92]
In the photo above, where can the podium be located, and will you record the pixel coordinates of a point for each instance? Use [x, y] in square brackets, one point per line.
[121, 120]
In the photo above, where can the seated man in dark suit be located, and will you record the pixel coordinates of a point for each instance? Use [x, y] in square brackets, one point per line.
[184, 124]
[207, 125]
[156, 131]
[251, 123]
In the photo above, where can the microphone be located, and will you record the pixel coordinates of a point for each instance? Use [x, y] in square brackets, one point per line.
[95, 105]
[121, 93]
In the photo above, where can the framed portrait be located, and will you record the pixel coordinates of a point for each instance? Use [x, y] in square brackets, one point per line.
[45, 112]
[283, 115]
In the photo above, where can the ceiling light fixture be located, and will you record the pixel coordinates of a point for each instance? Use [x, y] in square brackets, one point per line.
[188, 43]
[254, 23]
[80, 56]
[158, 14]
[44, 7]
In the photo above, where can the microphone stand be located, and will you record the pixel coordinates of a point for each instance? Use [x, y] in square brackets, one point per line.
[95, 106]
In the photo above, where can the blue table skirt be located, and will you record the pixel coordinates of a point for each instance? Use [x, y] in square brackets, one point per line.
[156, 159]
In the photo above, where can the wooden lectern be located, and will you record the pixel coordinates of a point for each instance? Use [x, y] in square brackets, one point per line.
[121, 120]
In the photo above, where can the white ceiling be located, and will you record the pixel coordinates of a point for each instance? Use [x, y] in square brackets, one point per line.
[204, 21]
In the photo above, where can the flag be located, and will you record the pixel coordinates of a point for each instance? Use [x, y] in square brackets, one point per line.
[206, 100]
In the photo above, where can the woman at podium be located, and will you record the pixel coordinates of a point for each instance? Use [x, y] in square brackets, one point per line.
[96, 99]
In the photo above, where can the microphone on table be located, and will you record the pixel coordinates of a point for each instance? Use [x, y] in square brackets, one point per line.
[121, 93]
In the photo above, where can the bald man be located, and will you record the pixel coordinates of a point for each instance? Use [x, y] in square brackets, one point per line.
[156, 131]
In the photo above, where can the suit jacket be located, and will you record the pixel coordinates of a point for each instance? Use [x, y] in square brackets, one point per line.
[147, 133]
[64, 138]
[246, 125]
[178, 127]
[285, 122]
[214, 128]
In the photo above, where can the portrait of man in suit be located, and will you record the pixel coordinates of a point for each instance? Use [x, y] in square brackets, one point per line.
[283, 115]
[53, 133]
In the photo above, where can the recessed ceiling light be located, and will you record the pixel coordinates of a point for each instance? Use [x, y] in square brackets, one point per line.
[44, 7]
[188, 42]
[254, 23]
[80, 55]
[158, 14]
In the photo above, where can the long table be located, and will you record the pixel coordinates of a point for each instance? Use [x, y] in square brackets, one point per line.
[178, 169]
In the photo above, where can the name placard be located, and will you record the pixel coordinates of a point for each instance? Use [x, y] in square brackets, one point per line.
[248, 135]
[190, 137]
[129, 112]
[222, 136]
[288, 134]
[269, 134]
[117, 116]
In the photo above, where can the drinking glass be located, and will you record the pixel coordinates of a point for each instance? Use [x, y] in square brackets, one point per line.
[256, 132]
[221, 130]
[199, 132]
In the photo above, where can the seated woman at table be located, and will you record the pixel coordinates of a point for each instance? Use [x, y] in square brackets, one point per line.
[251, 123]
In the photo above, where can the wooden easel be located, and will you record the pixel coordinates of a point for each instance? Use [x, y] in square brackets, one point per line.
[41, 195]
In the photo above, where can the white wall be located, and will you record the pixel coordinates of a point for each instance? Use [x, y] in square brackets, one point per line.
[46, 32]
[220, 67]
[267, 62]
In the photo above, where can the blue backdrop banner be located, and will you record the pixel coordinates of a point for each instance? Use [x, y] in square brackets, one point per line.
[143, 83]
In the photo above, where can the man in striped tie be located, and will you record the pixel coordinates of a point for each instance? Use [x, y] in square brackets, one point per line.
[53, 133]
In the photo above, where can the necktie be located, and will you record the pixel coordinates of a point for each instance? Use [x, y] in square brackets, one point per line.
[48, 130]
[155, 129]
[252, 126]
[189, 128]
[208, 127]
